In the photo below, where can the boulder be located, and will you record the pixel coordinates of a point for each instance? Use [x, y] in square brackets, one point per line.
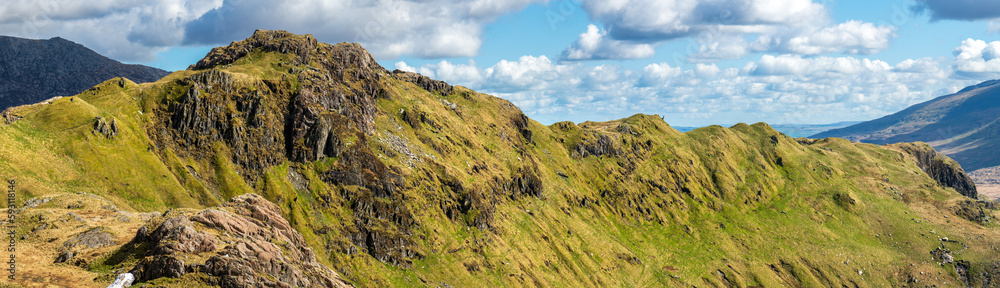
[103, 127]
[93, 238]
[64, 256]
[245, 243]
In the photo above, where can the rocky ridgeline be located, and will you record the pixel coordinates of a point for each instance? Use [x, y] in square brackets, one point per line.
[244, 243]
[435, 86]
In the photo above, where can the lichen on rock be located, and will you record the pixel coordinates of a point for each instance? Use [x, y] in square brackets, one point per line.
[244, 243]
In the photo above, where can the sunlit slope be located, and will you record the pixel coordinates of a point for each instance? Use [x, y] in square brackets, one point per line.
[395, 179]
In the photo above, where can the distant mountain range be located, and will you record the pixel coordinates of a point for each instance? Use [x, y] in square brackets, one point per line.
[964, 126]
[35, 70]
[795, 130]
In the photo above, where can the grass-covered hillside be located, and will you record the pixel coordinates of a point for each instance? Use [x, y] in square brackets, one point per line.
[395, 179]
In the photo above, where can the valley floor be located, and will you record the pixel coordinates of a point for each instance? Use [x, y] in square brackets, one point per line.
[991, 191]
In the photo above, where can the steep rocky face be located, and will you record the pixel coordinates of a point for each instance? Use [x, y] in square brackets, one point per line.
[35, 70]
[216, 108]
[323, 110]
[244, 243]
[941, 168]
[302, 119]
[595, 144]
[434, 86]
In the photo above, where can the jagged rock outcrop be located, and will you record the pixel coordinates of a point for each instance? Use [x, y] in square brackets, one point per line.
[103, 127]
[596, 144]
[434, 86]
[269, 41]
[266, 122]
[329, 98]
[521, 124]
[246, 242]
[93, 238]
[247, 117]
[946, 171]
[977, 211]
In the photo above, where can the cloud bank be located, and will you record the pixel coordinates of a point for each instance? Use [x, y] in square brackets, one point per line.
[135, 30]
[721, 27]
[776, 88]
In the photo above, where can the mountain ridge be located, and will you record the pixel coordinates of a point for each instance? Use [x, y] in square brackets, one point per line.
[396, 179]
[35, 70]
[963, 125]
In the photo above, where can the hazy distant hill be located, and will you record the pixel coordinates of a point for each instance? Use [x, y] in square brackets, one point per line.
[35, 70]
[963, 125]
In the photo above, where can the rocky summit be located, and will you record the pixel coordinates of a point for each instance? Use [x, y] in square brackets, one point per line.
[376, 178]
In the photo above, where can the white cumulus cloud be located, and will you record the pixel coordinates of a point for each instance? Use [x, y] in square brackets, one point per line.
[596, 45]
[977, 59]
[922, 65]
[662, 20]
[133, 30]
[658, 74]
[774, 88]
[853, 37]
[720, 29]
[796, 65]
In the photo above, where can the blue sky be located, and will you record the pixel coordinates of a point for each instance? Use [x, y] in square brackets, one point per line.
[695, 62]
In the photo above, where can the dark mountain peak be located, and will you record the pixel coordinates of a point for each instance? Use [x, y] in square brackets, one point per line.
[980, 85]
[62, 41]
[33, 70]
[52, 44]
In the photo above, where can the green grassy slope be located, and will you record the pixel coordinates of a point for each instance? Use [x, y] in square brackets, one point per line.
[413, 187]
